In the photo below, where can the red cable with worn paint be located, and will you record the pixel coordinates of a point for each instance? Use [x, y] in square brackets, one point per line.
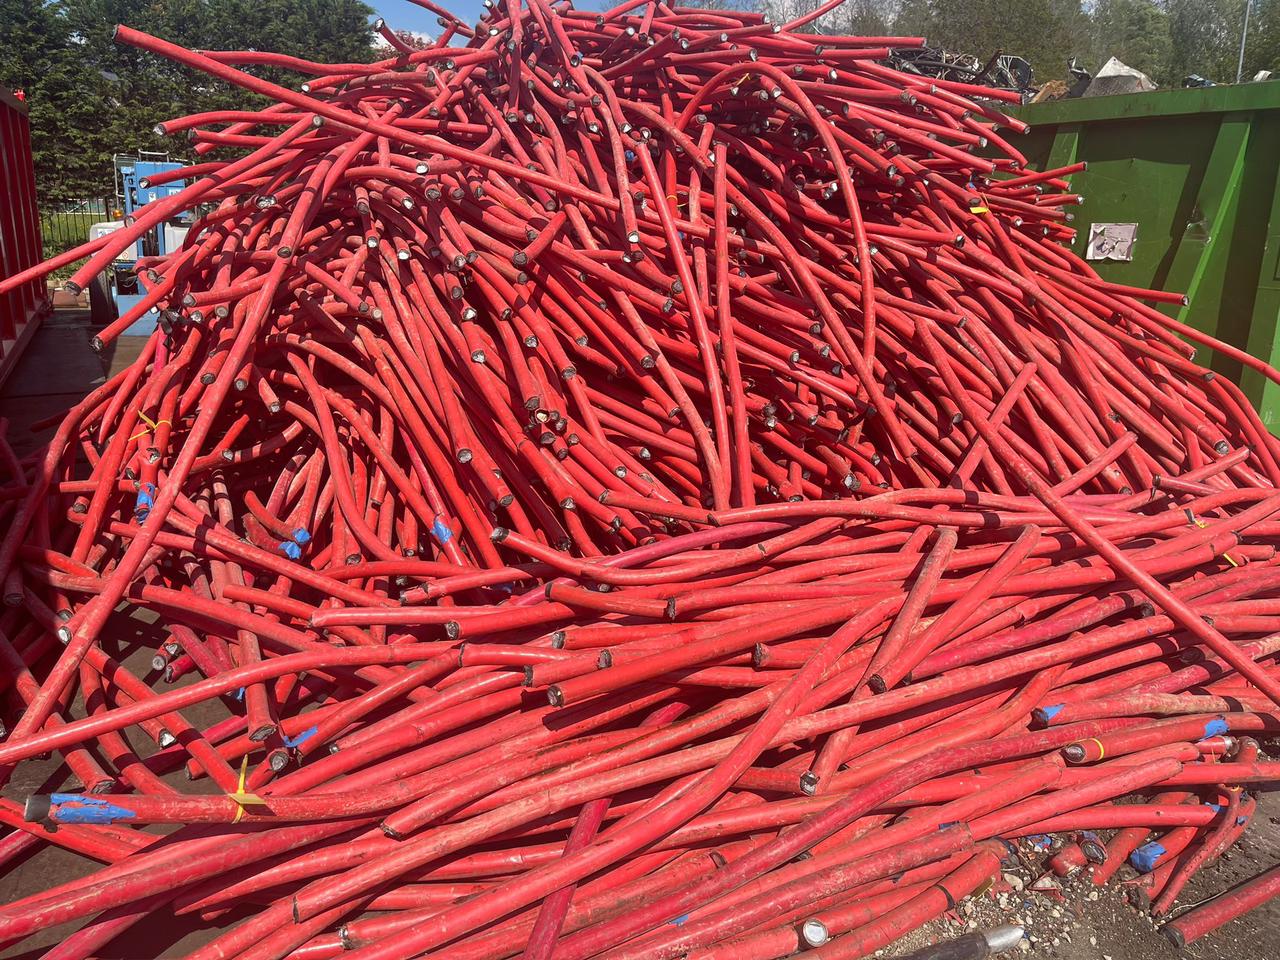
[625, 485]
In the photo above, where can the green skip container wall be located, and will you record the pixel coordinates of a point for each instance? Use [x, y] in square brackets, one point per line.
[1197, 170]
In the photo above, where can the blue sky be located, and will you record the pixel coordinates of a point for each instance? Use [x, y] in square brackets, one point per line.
[403, 15]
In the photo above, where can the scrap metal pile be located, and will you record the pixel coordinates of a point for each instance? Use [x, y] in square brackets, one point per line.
[641, 485]
[1001, 71]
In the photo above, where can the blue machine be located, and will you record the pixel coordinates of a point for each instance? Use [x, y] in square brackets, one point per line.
[118, 288]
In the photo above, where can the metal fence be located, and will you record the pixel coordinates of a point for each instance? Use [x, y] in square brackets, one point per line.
[67, 225]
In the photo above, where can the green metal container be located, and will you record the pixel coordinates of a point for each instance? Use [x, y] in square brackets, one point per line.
[1197, 171]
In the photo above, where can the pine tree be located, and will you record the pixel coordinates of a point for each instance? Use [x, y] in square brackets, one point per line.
[91, 97]
[63, 99]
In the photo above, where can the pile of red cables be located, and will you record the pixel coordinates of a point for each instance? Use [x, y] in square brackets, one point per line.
[642, 484]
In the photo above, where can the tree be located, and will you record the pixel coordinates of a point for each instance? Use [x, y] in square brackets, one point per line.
[1135, 31]
[1069, 30]
[864, 18]
[91, 97]
[721, 4]
[784, 11]
[914, 18]
[1263, 49]
[63, 99]
[1045, 32]
[1204, 37]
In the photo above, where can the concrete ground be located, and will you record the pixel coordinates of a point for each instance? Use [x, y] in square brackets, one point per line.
[1086, 923]
[57, 369]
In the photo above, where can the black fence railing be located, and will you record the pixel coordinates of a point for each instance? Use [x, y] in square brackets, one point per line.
[67, 225]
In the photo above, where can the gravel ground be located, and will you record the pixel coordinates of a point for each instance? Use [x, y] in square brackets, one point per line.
[1086, 922]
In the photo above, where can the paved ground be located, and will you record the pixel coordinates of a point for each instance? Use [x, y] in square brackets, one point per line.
[59, 368]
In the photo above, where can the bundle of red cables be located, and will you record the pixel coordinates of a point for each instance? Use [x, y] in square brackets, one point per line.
[629, 483]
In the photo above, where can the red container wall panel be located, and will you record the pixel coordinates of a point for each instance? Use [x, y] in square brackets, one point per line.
[20, 245]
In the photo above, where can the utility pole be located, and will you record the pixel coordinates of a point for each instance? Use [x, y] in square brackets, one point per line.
[1244, 35]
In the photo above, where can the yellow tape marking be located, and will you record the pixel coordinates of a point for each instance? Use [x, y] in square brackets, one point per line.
[242, 798]
[150, 426]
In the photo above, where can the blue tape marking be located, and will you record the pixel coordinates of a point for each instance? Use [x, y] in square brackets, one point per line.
[441, 530]
[146, 500]
[87, 809]
[239, 694]
[1145, 858]
[948, 825]
[1041, 841]
[630, 156]
[1215, 807]
[291, 550]
[1216, 726]
[680, 919]
[1241, 820]
[301, 537]
[301, 738]
[1048, 713]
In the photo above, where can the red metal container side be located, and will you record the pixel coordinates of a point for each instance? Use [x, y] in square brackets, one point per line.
[20, 245]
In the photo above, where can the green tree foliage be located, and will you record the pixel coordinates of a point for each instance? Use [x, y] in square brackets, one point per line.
[914, 18]
[1135, 31]
[91, 97]
[866, 18]
[63, 100]
[1204, 39]
[1263, 50]
[1045, 32]
[1166, 39]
